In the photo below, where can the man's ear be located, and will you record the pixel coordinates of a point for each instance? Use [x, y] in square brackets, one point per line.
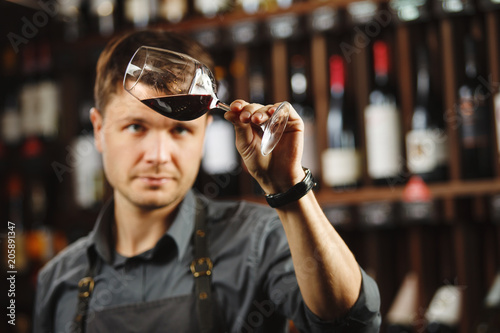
[97, 122]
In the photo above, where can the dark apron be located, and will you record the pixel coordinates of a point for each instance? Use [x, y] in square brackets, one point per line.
[197, 312]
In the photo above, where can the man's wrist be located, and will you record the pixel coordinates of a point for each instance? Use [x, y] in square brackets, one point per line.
[294, 193]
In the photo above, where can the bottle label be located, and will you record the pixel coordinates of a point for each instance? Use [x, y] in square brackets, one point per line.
[340, 166]
[29, 110]
[220, 156]
[473, 117]
[48, 104]
[422, 151]
[383, 141]
[310, 154]
[88, 171]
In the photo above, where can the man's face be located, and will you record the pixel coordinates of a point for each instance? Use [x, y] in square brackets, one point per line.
[150, 160]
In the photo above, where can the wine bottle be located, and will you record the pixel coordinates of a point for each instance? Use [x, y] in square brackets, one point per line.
[301, 103]
[340, 161]
[39, 94]
[382, 122]
[444, 311]
[425, 142]
[489, 321]
[473, 116]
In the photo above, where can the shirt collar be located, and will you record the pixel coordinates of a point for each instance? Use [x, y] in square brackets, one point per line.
[102, 240]
[183, 225]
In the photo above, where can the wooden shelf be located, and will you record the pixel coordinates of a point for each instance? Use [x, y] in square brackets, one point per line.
[444, 190]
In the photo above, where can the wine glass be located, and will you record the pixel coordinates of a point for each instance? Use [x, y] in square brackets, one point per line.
[182, 88]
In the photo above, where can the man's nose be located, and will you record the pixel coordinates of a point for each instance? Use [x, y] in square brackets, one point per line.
[158, 148]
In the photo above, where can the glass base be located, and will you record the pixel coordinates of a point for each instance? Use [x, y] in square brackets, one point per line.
[273, 128]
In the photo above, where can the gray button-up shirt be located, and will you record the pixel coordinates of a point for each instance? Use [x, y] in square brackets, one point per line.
[253, 276]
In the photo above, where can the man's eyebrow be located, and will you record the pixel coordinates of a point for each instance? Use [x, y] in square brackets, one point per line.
[129, 118]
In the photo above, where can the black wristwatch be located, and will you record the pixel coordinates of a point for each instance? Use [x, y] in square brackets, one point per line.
[294, 193]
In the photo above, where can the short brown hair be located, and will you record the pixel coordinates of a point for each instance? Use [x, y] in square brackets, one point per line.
[117, 53]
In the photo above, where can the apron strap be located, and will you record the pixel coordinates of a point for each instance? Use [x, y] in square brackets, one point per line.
[201, 267]
[85, 289]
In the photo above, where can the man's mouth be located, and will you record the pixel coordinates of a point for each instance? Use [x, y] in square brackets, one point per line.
[154, 180]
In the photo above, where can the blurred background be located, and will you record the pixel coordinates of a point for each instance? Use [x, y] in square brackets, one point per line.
[401, 104]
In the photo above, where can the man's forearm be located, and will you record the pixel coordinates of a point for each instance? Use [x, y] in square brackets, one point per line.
[327, 272]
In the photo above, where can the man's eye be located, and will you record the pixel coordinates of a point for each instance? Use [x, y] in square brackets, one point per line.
[180, 130]
[135, 128]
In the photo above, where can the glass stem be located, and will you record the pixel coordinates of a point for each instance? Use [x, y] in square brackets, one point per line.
[224, 107]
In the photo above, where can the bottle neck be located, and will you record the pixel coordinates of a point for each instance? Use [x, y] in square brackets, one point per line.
[421, 116]
[381, 80]
[381, 63]
[299, 85]
[471, 69]
[337, 76]
[423, 86]
[470, 59]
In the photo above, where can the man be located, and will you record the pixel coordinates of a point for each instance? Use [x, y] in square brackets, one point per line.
[162, 258]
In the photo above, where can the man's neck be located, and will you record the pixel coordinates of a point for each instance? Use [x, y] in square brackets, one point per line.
[138, 230]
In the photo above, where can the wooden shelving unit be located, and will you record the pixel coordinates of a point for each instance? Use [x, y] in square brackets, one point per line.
[447, 248]
[440, 253]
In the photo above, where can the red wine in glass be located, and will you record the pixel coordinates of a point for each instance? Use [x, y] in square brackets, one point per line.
[180, 107]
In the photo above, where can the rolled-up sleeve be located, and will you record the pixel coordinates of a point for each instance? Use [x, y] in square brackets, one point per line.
[363, 317]
[282, 289]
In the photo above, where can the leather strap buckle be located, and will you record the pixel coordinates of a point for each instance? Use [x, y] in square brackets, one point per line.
[201, 267]
[85, 287]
